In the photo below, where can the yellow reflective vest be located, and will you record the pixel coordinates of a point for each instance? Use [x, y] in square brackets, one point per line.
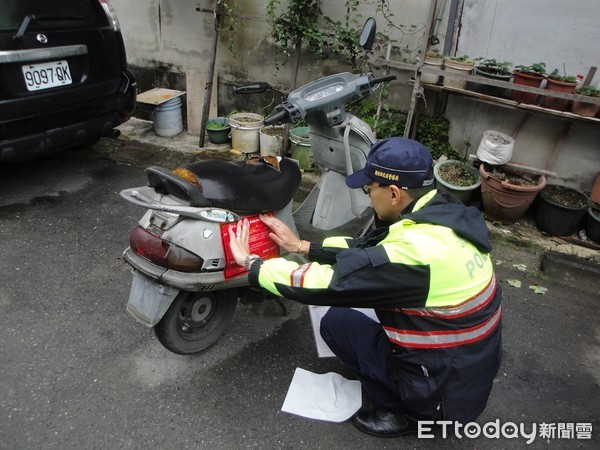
[428, 276]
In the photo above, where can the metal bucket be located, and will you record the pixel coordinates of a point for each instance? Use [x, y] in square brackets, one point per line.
[168, 120]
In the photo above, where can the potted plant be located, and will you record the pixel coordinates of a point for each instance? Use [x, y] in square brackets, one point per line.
[271, 140]
[532, 76]
[434, 59]
[507, 194]
[459, 65]
[245, 133]
[559, 210]
[218, 130]
[458, 178]
[559, 83]
[495, 70]
[592, 226]
[301, 149]
[583, 108]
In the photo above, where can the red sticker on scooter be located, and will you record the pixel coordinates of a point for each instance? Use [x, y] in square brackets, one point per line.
[260, 244]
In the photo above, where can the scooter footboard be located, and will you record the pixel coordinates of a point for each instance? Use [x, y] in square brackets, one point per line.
[149, 300]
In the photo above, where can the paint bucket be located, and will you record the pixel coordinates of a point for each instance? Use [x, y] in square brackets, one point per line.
[245, 132]
[271, 140]
[168, 120]
[301, 150]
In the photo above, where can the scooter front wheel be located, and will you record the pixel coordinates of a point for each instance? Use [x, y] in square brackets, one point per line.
[195, 320]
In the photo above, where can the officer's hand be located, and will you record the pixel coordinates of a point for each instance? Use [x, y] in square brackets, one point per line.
[281, 234]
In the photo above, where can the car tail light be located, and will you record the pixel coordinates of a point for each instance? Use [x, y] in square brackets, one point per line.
[163, 253]
[110, 14]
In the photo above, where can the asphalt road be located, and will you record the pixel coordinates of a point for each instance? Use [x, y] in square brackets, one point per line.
[77, 372]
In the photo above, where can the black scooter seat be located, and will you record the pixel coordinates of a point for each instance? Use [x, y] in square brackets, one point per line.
[241, 187]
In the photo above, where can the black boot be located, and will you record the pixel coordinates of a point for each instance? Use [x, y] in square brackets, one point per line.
[383, 422]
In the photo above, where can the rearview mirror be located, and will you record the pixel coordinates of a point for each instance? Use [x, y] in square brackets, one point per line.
[254, 88]
[367, 36]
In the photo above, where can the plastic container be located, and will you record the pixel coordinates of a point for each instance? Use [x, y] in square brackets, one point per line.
[592, 226]
[221, 134]
[457, 67]
[271, 140]
[495, 148]
[168, 120]
[245, 132]
[463, 193]
[431, 78]
[556, 219]
[301, 148]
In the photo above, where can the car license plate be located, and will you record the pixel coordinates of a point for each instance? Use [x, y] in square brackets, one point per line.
[46, 75]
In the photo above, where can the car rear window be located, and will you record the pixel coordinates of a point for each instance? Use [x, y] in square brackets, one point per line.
[51, 15]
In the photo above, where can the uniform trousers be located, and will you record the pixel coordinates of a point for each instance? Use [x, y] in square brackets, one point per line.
[362, 345]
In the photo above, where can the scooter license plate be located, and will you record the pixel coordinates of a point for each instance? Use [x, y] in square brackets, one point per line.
[148, 299]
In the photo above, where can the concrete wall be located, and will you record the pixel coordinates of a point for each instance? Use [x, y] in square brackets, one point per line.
[564, 35]
[167, 38]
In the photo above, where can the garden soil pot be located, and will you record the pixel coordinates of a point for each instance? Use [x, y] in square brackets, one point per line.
[221, 133]
[585, 109]
[301, 149]
[560, 104]
[495, 91]
[271, 140]
[463, 193]
[595, 195]
[553, 216]
[430, 78]
[525, 80]
[245, 132]
[459, 68]
[504, 201]
[592, 227]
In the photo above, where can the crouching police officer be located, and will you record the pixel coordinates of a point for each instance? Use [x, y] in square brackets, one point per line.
[437, 346]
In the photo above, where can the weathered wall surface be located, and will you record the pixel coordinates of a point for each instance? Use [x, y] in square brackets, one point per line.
[564, 35]
[166, 38]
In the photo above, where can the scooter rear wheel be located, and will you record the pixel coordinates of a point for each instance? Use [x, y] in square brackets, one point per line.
[195, 320]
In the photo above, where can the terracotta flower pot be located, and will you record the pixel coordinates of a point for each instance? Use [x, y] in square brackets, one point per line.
[585, 109]
[524, 79]
[560, 104]
[504, 201]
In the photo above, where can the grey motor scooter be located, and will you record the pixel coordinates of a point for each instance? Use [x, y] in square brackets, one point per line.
[185, 283]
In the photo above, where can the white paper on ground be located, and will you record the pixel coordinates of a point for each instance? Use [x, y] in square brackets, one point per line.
[329, 396]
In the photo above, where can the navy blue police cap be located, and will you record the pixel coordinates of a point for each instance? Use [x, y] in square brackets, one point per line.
[403, 162]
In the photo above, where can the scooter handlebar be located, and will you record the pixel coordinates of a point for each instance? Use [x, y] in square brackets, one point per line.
[276, 118]
[382, 79]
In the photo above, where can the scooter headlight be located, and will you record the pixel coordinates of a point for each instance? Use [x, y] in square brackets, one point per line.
[163, 253]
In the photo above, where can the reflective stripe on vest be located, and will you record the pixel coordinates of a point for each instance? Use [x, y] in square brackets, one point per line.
[463, 309]
[297, 276]
[446, 338]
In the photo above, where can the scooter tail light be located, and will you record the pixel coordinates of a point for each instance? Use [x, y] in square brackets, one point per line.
[163, 253]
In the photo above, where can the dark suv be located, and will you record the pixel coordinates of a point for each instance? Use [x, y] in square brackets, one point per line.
[63, 76]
